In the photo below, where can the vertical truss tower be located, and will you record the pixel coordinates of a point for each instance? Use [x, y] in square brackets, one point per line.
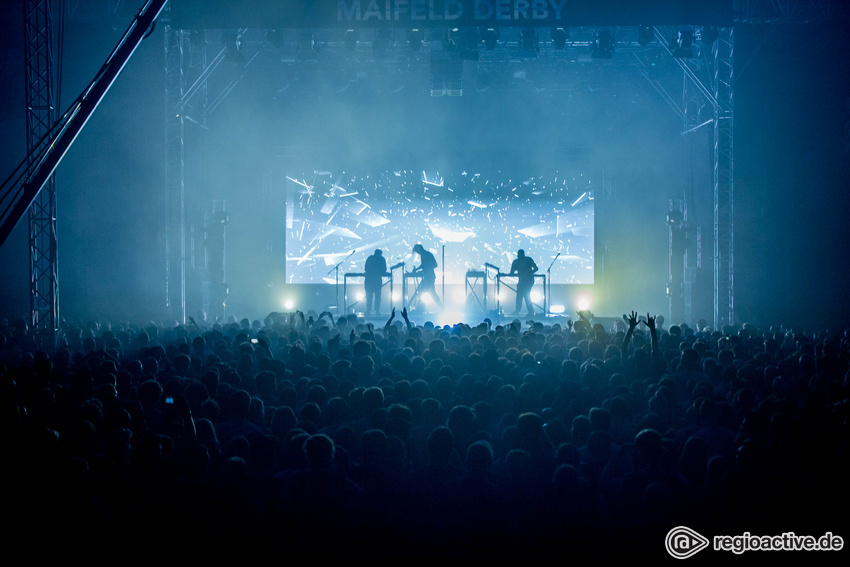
[177, 45]
[42, 113]
[724, 234]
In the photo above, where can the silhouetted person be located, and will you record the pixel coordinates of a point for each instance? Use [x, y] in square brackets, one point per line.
[427, 266]
[376, 267]
[524, 267]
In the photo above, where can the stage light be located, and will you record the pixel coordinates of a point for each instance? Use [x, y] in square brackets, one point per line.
[559, 37]
[557, 309]
[396, 296]
[603, 45]
[491, 37]
[709, 35]
[426, 297]
[361, 295]
[584, 302]
[536, 296]
[645, 35]
[683, 43]
[383, 40]
[289, 304]
[529, 42]
[307, 46]
[439, 70]
[464, 42]
[274, 38]
[198, 39]
[349, 38]
[231, 40]
[414, 38]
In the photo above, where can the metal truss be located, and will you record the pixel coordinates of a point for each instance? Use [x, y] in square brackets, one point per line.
[42, 113]
[724, 178]
[177, 46]
[188, 69]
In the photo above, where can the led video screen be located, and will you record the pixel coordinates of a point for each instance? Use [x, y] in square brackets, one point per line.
[466, 219]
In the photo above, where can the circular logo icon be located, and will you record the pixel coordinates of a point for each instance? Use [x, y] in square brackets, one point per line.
[682, 542]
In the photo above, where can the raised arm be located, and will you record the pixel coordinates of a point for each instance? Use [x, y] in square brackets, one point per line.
[632, 320]
[656, 351]
[406, 319]
[389, 322]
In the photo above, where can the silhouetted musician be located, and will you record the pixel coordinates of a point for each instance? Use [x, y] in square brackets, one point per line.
[523, 267]
[427, 269]
[376, 269]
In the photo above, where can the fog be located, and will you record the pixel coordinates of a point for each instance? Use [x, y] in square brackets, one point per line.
[277, 109]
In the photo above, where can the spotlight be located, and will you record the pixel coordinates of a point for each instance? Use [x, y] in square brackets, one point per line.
[383, 40]
[529, 42]
[583, 302]
[709, 35]
[307, 46]
[465, 43]
[198, 39]
[603, 45]
[645, 35]
[361, 295]
[491, 37]
[289, 304]
[414, 38]
[559, 37]
[349, 38]
[683, 43]
[558, 309]
[536, 296]
[454, 77]
[426, 297]
[232, 42]
[438, 76]
[274, 38]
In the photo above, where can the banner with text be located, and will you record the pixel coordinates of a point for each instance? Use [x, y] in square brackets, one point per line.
[279, 14]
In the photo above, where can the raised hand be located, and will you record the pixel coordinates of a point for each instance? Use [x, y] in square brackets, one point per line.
[650, 322]
[389, 321]
[632, 320]
[406, 320]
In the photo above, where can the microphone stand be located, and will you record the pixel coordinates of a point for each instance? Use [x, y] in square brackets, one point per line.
[335, 269]
[444, 275]
[487, 268]
[549, 293]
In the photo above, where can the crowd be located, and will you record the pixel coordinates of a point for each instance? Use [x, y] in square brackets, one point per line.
[331, 436]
